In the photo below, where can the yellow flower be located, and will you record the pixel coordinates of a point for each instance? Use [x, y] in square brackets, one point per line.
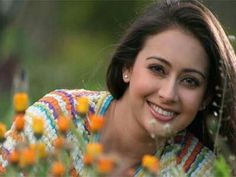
[19, 122]
[94, 149]
[63, 124]
[40, 150]
[151, 163]
[82, 105]
[20, 101]
[57, 169]
[96, 123]
[38, 126]
[3, 130]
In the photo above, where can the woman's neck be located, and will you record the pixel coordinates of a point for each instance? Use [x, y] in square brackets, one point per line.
[124, 136]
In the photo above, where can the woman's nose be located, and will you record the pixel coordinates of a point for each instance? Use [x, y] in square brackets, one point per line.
[168, 91]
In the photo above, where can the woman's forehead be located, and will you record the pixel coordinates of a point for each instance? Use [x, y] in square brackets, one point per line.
[175, 44]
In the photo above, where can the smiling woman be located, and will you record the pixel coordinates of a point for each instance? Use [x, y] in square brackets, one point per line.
[168, 75]
[167, 81]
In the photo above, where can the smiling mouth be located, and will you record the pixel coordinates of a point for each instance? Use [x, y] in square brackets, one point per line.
[161, 114]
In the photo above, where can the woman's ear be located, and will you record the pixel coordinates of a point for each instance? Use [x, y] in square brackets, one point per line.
[126, 73]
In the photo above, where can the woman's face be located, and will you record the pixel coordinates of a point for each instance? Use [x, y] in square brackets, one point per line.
[167, 82]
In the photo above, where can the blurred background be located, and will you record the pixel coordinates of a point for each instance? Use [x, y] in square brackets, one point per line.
[68, 43]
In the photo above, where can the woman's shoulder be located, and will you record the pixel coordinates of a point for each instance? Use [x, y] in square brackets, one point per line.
[195, 158]
[73, 94]
[64, 101]
[187, 154]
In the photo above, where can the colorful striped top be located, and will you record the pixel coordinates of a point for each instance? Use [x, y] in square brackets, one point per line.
[185, 153]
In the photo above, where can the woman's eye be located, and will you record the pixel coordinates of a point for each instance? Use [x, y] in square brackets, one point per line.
[157, 69]
[191, 82]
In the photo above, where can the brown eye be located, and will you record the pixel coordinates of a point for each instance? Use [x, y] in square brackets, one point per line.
[190, 82]
[157, 69]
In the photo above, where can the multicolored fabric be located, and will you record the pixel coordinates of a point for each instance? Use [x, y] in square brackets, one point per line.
[185, 152]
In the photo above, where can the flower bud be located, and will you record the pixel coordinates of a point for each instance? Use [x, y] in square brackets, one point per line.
[20, 101]
[105, 165]
[14, 157]
[59, 142]
[82, 106]
[63, 124]
[94, 149]
[151, 163]
[96, 123]
[27, 157]
[38, 127]
[57, 169]
[19, 122]
[3, 130]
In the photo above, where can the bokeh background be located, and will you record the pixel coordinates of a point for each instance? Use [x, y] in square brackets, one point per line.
[68, 43]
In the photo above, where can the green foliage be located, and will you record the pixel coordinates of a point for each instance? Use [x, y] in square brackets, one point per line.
[69, 47]
[221, 168]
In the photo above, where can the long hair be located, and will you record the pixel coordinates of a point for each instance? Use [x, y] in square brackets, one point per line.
[197, 19]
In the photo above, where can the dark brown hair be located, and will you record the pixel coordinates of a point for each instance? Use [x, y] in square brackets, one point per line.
[197, 19]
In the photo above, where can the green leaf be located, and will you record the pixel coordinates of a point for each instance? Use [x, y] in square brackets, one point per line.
[221, 168]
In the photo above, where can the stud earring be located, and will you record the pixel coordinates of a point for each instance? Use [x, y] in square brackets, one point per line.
[126, 78]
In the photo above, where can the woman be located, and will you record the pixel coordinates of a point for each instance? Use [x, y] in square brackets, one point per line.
[171, 69]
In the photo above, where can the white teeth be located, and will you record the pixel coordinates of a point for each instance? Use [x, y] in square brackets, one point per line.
[162, 112]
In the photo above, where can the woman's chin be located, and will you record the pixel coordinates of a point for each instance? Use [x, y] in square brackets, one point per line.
[160, 131]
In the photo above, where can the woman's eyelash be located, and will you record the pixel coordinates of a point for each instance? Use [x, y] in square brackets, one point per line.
[191, 82]
[157, 69]
[187, 81]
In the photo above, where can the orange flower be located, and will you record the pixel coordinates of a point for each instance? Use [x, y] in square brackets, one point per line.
[2, 170]
[105, 165]
[82, 105]
[19, 122]
[33, 147]
[94, 149]
[96, 123]
[3, 130]
[38, 126]
[14, 157]
[39, 149]
[88, 160]
[27, 157]
[151, 163]
[59, 142]
[63, 124]
[57, 169]
[20, 101]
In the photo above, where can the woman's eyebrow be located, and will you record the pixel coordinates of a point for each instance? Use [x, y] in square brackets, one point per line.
[195, 71]
[187, 70]
[159, 59]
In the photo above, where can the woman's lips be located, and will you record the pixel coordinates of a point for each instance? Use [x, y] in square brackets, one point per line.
[161, 114]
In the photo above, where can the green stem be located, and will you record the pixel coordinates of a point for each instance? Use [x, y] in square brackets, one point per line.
[82, 144]
[220, 117]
